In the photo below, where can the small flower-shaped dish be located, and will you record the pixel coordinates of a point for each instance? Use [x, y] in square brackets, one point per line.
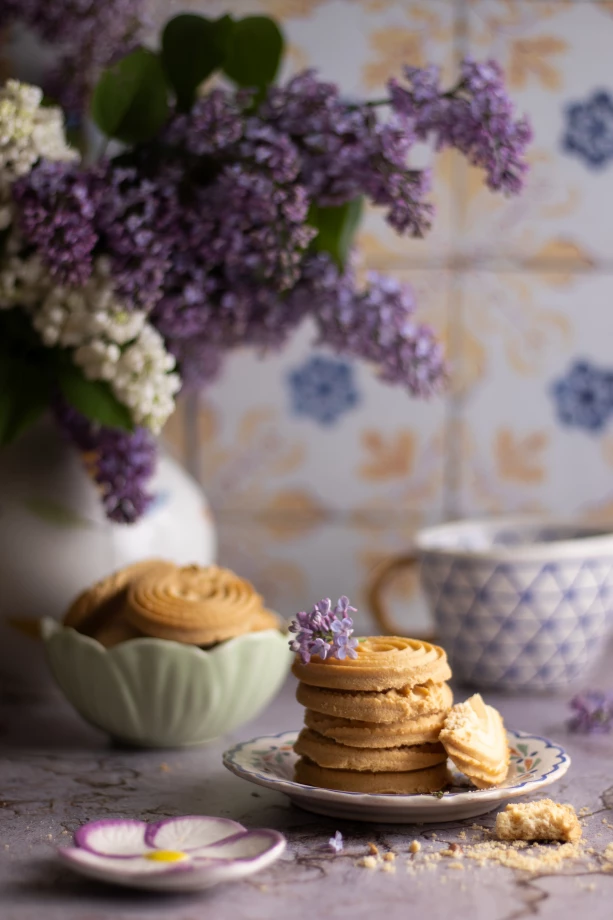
[189, 853]
[157, 693]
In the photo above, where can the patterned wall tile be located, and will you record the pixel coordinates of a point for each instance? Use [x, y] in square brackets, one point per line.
[534, 392]
[360, 44]
[294, 564]
[310, 432]
[556, 58]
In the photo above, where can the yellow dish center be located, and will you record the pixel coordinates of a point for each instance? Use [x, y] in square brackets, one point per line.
[166, 855]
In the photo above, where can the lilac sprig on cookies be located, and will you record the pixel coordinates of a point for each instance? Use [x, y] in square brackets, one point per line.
[325, 632]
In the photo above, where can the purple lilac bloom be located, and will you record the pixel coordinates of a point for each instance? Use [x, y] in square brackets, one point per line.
[346, 152]
[215, 122]
[56, 215]
[477, 118]
[121, 463]
[335, 844]
[324, 632]
[134, 220]
[376, 325]
[592, 713]
[95, 33]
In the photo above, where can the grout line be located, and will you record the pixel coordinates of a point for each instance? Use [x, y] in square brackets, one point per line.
[452, 442]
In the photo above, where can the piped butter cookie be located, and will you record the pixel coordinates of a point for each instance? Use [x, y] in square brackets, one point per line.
[381, 663]
[476, 741]
[376, 734]
[328, 753]
[193, 604]
[415, 782]
[386, 706]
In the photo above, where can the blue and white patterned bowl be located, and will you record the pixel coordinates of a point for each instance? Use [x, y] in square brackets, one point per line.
[519, 603]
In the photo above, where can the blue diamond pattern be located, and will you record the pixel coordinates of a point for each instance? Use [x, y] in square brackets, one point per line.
[520, 624]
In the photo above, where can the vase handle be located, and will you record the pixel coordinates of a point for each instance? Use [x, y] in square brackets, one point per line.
[382, 576]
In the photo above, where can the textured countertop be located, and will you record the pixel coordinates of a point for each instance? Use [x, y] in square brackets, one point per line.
[56, 773]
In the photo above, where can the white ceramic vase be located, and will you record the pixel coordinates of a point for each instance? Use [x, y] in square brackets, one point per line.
[55, 540]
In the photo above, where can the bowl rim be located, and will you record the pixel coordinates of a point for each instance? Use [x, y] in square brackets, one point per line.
[598, 542]
[49, 628]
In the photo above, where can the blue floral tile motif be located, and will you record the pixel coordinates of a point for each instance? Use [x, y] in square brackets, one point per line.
[323, 389]
[584, 397]
[589, 130]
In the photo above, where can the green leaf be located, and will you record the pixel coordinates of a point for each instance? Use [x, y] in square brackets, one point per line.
[93, 398]
[336, 228]
[255, 51]
[24, 396]
[193, 47]
[53, 513]
[130, 101]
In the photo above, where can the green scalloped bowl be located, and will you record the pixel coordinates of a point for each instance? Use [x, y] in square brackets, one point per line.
[155, 693]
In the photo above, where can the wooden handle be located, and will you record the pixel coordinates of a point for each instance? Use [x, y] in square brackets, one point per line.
[379, 582]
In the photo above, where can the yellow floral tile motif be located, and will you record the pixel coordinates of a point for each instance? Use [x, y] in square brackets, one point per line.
[390, 456]
[291, 513]
[239, 475]
[487, 484]
[521, 457]
[290, 9]
[516, 313]
[536, 58]
[393, 48]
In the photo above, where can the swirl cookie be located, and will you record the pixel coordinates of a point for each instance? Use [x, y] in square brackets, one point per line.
[382, 663]
[369, 706]
[97, 607]
[327, 753]
[376, 734]
[199, 606]
[476, 741]
[432, 779]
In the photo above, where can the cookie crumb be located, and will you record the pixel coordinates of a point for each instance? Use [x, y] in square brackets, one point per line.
[368, 862]
[542, 820]
[164, 768]
[456, 865]
[389, 857]
[414, 846]
[388, 867]
[608, 853]
[373, 849]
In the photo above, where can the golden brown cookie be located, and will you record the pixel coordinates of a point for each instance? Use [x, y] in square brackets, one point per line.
[264, 619]
[382, 663]
[415, 782]
[106, 599]
[376, 734]
[327, 753]
[114, 632]
[476, 741]
[192, 604]
[370, 706]
[542, 820]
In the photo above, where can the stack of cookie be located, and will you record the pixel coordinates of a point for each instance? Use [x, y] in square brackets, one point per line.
[191, 604]
[372, 724]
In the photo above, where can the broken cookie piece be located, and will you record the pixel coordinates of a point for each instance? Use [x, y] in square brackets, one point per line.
[542, 820]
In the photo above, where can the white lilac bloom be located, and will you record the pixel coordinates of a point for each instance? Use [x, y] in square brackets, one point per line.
[177, 854]
[28, 132]
[111, 343]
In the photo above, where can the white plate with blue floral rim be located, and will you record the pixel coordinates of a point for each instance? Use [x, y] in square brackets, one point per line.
[269, 761]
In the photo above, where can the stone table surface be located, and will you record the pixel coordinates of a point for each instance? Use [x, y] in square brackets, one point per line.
[57, 773]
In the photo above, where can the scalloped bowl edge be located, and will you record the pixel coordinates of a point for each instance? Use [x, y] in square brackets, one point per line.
[157, 693]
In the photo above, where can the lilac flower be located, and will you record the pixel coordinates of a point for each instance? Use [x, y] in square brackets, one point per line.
[324, 632]
[346, 152]
[57, 208]
[121, 463]
[376, 325]
[477, 118]
[593, 713]
[335, 844]
[90, 35]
